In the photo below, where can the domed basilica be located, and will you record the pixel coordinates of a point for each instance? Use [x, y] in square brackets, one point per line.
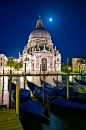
[39, 50]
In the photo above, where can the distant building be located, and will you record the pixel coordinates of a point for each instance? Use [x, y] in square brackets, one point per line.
[3, 61]
[79, 64]
[64, 67]
[17, 59]
[39, 51]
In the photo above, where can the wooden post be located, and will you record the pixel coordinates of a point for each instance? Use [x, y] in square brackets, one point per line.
[57, 79]
[40, 74]
[10, 89]
[2, 95]
[3, 79]
[13, 73]
[25, 77]
[17, 100]
[43, 80]
[3, 85]
[79, 79]
[67, 79]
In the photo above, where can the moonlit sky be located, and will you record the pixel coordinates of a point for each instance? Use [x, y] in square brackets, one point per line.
[67, 29]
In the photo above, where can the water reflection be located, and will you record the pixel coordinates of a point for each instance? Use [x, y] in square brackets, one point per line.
[4, 95]
[56, 123]
[20, 81]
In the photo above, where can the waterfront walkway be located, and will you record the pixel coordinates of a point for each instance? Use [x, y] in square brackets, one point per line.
[9, 120]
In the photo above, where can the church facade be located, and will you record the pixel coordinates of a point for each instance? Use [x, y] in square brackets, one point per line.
[39, 51]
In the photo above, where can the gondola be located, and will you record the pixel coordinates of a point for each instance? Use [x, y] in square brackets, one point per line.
[58, 83]
[59, 90]
[78, 89]
[66, 105]
[38, 91]
[80, 81]
[64, 79]
[29, 106]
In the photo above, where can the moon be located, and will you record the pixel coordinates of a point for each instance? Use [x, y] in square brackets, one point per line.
[50, 19]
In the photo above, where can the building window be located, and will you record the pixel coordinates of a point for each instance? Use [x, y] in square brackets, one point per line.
[50, 64]
[54, 63]
[1, 63]
[33, 65]
[26, 59]
[1, 58]
[50, 59]
[57, 59]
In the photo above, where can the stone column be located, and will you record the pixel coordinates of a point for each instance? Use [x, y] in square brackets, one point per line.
[53, 63]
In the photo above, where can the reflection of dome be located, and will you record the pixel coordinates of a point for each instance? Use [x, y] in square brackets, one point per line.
[39, 32]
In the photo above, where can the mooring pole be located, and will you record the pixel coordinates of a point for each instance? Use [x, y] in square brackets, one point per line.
[3, 79]
[67, 79]
[40, 74]
[79, 79]
[17, 100]
[2, 96]
[10, 89]
[3, 85]
[25, 77]
[43, 80]
[57, 79]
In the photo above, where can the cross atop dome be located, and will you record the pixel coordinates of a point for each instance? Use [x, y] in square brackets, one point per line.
[39, 16]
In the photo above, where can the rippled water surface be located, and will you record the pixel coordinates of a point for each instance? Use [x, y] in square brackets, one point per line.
[59, 120]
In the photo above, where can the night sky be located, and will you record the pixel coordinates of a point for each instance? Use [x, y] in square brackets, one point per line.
[67, 29]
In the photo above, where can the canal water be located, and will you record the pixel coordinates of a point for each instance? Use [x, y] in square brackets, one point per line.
[59, 120]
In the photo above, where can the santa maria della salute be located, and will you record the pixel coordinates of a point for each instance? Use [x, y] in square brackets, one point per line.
[39, 51]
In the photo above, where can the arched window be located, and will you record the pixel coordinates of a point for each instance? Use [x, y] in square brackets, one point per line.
[44, 61]
[33, 64]
[54, 63]
[26, 59]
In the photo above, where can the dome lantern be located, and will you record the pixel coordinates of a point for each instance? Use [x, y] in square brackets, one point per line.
[39, 23]
[39, 32]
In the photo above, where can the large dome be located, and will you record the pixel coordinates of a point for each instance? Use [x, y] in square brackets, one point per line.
[39, 32]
